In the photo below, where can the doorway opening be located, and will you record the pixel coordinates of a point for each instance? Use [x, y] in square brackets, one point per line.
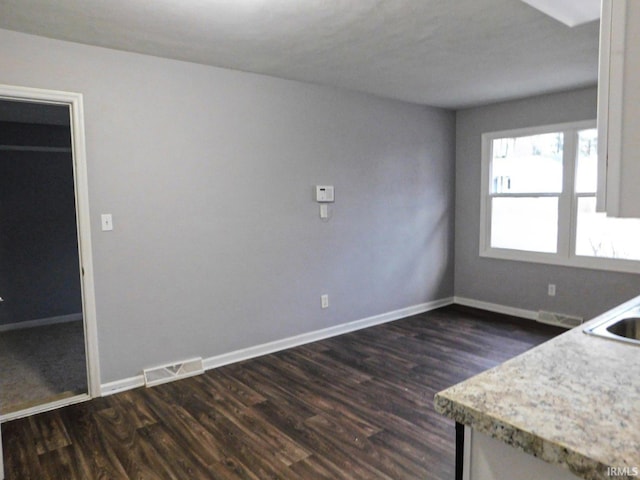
[48, 341]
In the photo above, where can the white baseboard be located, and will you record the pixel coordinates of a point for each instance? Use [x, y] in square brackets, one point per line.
[297, 340]
[497, 308]
[290, 342]
[122, 385]
[41, 322]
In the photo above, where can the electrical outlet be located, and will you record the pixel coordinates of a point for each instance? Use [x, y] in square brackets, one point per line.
[324, 301]
[551, 290]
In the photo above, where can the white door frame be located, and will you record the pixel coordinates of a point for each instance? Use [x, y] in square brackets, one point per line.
[74, 102]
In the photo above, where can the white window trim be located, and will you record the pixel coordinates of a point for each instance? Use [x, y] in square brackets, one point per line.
[566, 205]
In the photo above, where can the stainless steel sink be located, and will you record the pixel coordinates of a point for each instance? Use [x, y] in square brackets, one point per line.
[624, 328]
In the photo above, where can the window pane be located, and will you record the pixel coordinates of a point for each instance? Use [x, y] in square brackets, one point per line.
[525, 224]
[602, 236]
[587, 168]
[531, 164]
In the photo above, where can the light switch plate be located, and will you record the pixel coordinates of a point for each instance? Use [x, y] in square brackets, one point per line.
[107, 222]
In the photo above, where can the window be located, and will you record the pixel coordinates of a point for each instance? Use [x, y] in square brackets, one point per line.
[539, 196]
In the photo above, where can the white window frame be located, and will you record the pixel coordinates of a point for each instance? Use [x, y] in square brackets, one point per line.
[567, 205]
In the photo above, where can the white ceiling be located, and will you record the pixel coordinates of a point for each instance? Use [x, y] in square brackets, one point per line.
[448, 53]
[569, 12]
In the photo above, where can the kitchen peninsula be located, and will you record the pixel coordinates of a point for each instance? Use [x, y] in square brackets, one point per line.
[573, 402]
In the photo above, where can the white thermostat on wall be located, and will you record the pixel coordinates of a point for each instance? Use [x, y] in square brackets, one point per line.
[324, 193]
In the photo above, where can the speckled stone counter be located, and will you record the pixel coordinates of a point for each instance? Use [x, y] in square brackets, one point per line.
[573, 401]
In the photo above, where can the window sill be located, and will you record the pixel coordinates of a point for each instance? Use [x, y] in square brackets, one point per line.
[593, 263]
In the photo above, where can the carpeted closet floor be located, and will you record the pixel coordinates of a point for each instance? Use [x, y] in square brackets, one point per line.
[41, 364]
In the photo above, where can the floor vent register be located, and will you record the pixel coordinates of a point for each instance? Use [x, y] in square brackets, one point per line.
[174, 371]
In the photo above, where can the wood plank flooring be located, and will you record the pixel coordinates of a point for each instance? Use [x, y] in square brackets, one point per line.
[357, 406]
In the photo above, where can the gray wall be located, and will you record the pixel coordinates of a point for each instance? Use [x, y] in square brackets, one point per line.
[208, 173]
[39, 271]
[580, 291]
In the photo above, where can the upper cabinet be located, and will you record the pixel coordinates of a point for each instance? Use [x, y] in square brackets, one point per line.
[619, 109]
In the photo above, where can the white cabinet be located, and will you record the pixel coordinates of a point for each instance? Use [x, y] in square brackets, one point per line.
[490, 459]
[619, 109]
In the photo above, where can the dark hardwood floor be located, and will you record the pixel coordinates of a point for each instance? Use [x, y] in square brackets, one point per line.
[355, 406]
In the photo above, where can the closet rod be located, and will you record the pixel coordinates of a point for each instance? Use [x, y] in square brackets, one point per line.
[30, 148]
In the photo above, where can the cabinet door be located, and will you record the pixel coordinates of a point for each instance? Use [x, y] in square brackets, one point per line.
[619, 109]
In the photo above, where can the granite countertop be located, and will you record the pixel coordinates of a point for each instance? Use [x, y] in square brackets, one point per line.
[573, 401]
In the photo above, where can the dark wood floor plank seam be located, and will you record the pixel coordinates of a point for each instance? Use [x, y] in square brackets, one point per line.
[245, 424]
